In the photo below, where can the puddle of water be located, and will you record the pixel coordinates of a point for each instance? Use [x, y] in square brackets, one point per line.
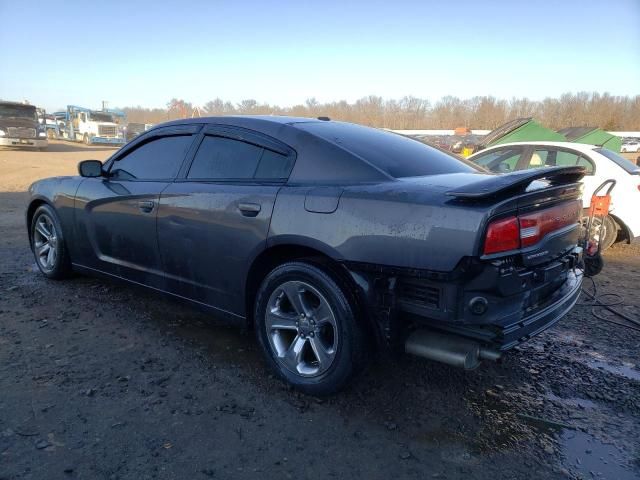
[605, 461]
[624, 370]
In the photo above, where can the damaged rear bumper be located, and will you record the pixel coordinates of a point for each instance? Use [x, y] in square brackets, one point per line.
[506, 335]
[496, 305]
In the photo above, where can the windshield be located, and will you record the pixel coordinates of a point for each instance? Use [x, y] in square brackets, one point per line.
[394, 154]
[18, 111]
[627, 165]
[101, 117]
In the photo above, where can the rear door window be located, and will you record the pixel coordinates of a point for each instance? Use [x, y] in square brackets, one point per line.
[157, 159]
[222, 158]
[552, 157]
[502, 160]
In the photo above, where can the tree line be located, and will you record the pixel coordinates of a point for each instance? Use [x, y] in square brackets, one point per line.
[609, 112]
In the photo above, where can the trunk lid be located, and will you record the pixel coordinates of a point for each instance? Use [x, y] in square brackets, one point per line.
[542, 207]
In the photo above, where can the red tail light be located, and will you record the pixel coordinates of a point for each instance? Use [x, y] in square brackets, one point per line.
[526, 230]
[502, 235]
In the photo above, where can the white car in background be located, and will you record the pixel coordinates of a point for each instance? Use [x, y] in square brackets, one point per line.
[630, 147]
[623, 222]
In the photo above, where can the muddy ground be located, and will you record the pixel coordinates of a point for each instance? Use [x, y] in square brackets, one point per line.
[104, 381]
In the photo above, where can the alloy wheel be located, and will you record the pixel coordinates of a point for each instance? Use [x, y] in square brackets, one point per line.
[45, 240]
[301, 328]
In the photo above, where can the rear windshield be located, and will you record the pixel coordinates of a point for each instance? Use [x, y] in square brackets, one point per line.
[627, 165]
[396, 155]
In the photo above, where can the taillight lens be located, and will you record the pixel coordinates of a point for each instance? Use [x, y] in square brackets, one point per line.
[502, 235]
[526, 230]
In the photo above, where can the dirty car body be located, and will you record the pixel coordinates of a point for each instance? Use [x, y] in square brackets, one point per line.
[433, 254]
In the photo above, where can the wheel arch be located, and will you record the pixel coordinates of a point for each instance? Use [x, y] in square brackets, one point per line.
[625, 233]
[31, 210]
[281, 253]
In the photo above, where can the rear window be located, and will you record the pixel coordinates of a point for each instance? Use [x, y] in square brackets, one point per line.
[394, 154]
[622, 162]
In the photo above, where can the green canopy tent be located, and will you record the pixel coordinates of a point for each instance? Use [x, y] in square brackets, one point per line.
[520, 130]
[592, 136]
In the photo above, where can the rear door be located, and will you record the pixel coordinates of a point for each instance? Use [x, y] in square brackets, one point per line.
[214, 219]
[116, 214]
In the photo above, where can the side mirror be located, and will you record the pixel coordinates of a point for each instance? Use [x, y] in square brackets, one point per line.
[90, 168]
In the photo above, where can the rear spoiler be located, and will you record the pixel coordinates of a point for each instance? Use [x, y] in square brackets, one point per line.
[517, 181]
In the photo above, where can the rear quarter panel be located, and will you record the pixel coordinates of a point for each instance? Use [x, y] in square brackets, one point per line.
[381, 224]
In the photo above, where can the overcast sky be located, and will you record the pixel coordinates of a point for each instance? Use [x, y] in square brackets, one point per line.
[144, 53]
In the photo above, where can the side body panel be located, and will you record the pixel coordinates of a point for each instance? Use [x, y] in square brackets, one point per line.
[116, 228]
[208, 233]
[381, 224]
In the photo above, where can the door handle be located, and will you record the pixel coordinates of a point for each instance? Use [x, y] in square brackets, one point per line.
[146, 205]
[249, 209]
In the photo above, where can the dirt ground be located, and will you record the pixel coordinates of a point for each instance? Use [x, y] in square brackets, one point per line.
[104, 381]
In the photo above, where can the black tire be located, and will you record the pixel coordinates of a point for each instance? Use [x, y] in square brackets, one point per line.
[348, 338]
[60, 266]
[86, 139]
[610, 233]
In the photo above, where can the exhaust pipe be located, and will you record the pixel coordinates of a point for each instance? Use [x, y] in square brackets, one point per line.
[450, 349]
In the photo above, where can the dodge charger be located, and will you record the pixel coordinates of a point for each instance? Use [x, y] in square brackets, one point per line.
[332, 241]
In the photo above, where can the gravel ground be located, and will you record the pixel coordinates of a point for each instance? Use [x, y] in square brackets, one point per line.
[104, 381]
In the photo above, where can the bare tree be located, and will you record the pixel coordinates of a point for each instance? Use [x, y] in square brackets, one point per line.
[483, 112]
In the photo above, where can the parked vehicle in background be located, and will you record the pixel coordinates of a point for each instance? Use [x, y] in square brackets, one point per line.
[19, 126]
[330, 239]
[630, 147]
[49, 123]
[133, 129]
[79, 124]
[601, 164]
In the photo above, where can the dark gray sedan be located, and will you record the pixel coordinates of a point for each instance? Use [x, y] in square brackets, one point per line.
[332, 240]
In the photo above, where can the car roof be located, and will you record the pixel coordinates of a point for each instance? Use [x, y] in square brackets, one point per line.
[246, 120]
[581, 147]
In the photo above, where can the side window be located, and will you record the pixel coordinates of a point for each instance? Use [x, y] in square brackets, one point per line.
[558, 158]
[226, 158]
[501, 160]
[157, 159]
[274, 165]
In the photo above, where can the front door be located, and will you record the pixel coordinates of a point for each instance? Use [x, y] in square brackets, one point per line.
[116, 214]
[215, 220]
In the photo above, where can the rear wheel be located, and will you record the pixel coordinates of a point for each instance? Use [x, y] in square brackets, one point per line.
[608, 232]
[307, 328]
[48, 244]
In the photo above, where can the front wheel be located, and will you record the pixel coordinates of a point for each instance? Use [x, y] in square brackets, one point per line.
[48, 244]
[87, 140]
[307, 327]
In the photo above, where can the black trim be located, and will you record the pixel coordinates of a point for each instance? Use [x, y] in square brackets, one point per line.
[179, 131]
